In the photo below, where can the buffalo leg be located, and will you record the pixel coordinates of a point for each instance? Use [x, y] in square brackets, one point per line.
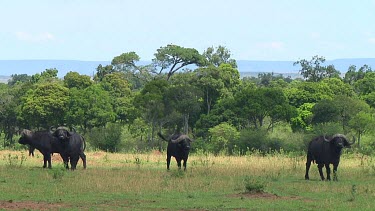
[328, 171]
[65, 160]
[83, 157]
[178, 163]
[185, 161]
[335, 172]
[47, 159]
[168, 161]
[308, 164]
[320, 167]
[74, 161]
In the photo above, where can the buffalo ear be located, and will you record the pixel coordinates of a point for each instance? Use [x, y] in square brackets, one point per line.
[54, 133]
[68, 134]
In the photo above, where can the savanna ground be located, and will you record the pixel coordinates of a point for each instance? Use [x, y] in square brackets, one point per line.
[141, 182]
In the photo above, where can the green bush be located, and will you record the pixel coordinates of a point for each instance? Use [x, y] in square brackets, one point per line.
[106, 138]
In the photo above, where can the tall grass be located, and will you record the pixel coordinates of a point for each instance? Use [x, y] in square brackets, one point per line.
[141, 182]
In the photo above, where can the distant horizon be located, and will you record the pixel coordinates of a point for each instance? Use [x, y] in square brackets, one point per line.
[143, 60]
[33, 66]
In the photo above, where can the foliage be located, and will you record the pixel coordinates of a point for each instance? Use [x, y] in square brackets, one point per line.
[75, 80]
[176, 57]
[219, 55]
[314, 71]
[222, 138]
[205, 96]
[106, 138]
[45, 105]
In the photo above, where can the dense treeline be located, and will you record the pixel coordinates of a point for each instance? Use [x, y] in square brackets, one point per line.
[124, 105]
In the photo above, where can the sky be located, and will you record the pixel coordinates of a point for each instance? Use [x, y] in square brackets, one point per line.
[269, 30]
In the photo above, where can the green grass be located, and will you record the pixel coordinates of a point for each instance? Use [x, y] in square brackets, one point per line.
[141, 182]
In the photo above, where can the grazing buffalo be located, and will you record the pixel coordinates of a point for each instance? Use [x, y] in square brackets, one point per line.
[325, 151]
[45, 143]
[74, 145]
[178, 147]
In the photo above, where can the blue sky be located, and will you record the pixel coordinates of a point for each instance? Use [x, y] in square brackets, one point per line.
[251, 29]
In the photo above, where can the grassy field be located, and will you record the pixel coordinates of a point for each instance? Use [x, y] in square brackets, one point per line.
[141, 182]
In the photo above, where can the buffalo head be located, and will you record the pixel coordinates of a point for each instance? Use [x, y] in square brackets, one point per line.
[25, 136]
[62, 133]
[183, 141]
[339, 141]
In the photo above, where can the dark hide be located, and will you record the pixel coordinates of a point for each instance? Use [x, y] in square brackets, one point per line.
[325, 151]
[45, 143]
[31, 151]
[74, 146]
[178, 147]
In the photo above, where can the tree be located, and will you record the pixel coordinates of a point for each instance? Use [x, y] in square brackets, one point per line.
[49, 75]
[45, 105]
[303, 119]
[137, 75]
[254, 105]
[99, 111]
[174, 57]
[219, 55]
[361, 123]
[216, 82]
[366, 85]
[125, 61]
[314, 71]
[118, 87]
[19, 78]
[102, 71]
[74, 79]
[184, 99]
[150, 102]
[339, 109]
[351, 76]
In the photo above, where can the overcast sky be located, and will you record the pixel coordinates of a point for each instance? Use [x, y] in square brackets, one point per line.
[251, 29]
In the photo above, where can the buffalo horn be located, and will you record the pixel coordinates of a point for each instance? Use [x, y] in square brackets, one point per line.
[344, 137]
[27, 133]
[180, 138]
[51, 129]
[350, 143]
[326, 140]
[62, 128]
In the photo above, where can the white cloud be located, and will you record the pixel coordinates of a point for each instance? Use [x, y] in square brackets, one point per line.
[372, 40]
[29, 37]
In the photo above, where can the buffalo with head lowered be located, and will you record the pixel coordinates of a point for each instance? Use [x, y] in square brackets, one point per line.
[45, 142]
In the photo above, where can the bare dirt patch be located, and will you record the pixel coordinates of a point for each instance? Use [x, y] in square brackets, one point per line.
[30, 205]
[264, 195]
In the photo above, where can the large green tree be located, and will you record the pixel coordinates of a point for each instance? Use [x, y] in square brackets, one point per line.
[150, 102]
[74, 79]
[45, 105]
[219, 55]
[121, 96]
[314, 70]
[173, 58]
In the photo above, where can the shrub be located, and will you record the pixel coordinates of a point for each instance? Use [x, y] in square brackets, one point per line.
[106, 138]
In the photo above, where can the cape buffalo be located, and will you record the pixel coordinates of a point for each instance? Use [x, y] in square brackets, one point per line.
[325, 151]
[74, 145]
[178, 147]
[45, 143]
